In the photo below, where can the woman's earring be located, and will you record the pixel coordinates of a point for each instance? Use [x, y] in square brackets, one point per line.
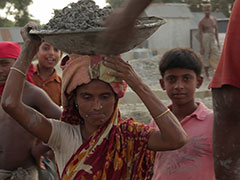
[76, 106]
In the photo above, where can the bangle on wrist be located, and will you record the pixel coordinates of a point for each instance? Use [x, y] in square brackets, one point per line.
[18, 70]
[162, 114]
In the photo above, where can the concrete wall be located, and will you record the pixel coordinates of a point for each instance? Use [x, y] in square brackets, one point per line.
[175, 33]
[195, 45]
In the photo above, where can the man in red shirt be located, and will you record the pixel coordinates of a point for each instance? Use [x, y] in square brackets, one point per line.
[226, 100]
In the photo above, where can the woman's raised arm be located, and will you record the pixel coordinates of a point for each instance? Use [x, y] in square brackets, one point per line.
[11, 100]
[171, 135]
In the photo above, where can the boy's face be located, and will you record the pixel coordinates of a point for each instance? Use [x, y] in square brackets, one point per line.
[48, 56]
[180, 85]
[5, 64]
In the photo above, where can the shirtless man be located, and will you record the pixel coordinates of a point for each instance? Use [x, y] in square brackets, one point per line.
[16, 144]
[208, 34]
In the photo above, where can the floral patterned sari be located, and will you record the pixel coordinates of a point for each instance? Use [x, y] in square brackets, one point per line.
[116, 151]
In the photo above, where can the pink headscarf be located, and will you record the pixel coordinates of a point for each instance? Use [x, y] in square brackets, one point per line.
[78, 70]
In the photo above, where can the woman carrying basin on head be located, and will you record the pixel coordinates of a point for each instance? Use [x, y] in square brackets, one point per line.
[92, 141]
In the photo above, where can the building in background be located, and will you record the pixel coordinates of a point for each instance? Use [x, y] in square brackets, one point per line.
[11, 34]
[180, 30]
[175, 32]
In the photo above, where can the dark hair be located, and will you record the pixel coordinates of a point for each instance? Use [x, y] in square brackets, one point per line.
[184, 58]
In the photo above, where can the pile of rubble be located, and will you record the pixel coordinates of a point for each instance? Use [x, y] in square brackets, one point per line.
[82, 15]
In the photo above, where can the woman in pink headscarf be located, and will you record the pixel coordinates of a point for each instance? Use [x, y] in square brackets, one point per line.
[92, 141]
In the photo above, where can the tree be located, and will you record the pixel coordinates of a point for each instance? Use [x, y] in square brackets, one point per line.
[16, 8]
[6, 23]
[223, 6]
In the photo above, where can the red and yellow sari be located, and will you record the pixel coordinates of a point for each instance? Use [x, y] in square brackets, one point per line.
[116, 151]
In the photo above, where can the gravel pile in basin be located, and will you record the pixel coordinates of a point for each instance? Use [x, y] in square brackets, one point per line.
[82, 15]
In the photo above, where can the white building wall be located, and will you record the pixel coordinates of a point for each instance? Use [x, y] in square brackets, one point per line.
[175, 33]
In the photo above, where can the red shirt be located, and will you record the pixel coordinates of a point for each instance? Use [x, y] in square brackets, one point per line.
[52, 85]
[228, 70]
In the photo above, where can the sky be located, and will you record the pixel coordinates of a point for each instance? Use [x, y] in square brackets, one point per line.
[43, 9]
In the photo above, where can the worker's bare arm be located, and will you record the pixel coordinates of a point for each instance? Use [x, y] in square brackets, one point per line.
[11, 101]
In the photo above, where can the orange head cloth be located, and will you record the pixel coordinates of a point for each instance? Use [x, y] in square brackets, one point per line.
[78, 70]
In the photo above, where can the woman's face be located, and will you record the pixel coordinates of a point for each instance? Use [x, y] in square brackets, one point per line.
[96, 102]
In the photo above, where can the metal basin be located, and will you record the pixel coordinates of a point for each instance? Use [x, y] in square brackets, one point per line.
[87, 42]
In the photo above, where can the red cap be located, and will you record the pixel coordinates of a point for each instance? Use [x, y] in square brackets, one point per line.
[9, 49]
